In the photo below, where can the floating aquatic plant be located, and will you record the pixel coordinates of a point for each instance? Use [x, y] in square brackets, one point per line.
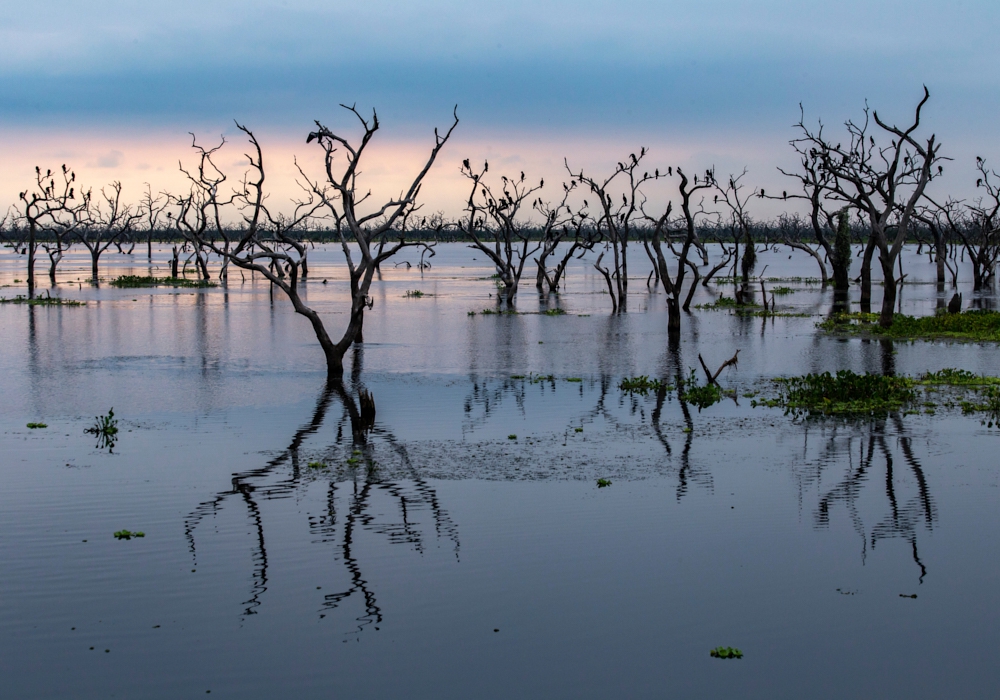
[726, 653]
[106, 430]
[640, 385]
[128, 534]
[35, 426]
[601, 483]
[135, 281]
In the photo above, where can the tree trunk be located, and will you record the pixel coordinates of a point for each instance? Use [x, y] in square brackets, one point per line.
[940, 254]
[95, 255]
[840, 261]
[673, 315]
[888, 290]
[866, 277]
[54, 260]
[31, 261]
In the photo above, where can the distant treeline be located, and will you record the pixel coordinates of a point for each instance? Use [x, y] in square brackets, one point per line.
[785, 228]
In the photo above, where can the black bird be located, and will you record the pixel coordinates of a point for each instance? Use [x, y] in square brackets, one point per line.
[955, 305]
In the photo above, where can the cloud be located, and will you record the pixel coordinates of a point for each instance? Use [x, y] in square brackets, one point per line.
[111, 159]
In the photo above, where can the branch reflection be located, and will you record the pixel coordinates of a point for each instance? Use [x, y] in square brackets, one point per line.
[284, 477]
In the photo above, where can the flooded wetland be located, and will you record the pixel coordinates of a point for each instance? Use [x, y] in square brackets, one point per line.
[514, 521]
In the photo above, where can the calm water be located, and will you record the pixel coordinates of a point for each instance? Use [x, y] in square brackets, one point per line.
[467, 563]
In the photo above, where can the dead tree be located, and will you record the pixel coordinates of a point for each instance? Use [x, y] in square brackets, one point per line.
[151, 209]
[976, 225]
[499, 215]
[555, 228]
[614, 221]
[269, 243]
[683, 228]
[815, 180]
[584, 236]
[107, 219]
[731, 194]
[885, 183]
[39, 206]
[791, 228]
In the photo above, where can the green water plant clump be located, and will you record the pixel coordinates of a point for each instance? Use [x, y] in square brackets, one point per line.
[128, 534]
[700, 396]
[134, 281]
[975, 324]
[844, 393]
[640, 385]
[601, 483]
[106, 430]
[414, 294]
[35, 426]
[724, 302]
[553, 312]
[950, 376]
[106, 426]
[41, 301]
[725, 653]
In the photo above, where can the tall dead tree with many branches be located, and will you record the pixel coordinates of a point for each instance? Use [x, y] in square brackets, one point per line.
[683, 229]
[270, 243]
[42, 206]
[615, 221]
[500, 214]
[109, 218]
[883, 182]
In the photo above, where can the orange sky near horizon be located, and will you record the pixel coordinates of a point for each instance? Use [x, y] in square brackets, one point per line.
[135, 158]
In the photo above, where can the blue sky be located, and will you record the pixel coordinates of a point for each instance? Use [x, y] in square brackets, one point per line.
[718, 80]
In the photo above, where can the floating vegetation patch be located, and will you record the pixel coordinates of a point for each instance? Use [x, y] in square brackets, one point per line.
[133, 281]
[574, 379]
[495, 312]
[768, 313]
[724, 302]
[843, 393]
[317, 465]
[36, 426]
[782, 291]
[976, 324]
[847, 393]
[41, 301]
[700, 396]
[415, 294]
[641, 385]
[988, 403]
[128, 534]
[106, 430]
[957, 377]
[726, 653]
[512, 436]
[553, 312]
[601, 483]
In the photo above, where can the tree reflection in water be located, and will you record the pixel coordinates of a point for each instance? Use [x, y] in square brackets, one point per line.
[282, 477]
[908, 501]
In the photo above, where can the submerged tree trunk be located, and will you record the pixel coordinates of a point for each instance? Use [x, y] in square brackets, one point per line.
[31, 260]
[840, 261]
[866, 277]
[888, 290]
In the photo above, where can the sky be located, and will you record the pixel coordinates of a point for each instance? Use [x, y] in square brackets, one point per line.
[113, 88]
